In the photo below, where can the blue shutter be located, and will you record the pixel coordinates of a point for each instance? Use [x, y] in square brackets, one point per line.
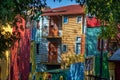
[78, 45]
[64, 48]
[65, 19]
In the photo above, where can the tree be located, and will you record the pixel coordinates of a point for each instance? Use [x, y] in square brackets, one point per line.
[8, 10]
[108, 12]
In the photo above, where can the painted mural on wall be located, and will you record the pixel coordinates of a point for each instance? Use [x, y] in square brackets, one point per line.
[77, 71]
[93, 51]
[20, 51]
[105, 66]
[53, 52]
[92, 40]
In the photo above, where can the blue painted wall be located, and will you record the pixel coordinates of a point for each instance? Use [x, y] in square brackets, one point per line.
[92, 41]
[77, 71]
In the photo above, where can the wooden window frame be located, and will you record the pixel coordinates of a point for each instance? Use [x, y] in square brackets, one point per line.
[89, 64]
[79, 20]
[78, 42]
[64, 46]
[65, 17]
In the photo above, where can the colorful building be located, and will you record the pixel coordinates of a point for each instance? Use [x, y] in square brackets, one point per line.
[66, 30]
[93, 52]
[39, 46]
[66, 36]
[114, 65]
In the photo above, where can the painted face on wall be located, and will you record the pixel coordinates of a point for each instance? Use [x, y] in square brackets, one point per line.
[19, 27]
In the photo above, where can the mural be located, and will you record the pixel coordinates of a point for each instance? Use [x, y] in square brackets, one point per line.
[20, 51]
[92, 40]
[77, 71]
[53, 52]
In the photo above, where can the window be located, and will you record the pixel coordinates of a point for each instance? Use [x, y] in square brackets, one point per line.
[37, 48]
[89, 63]
[65, 19]
[64, 48]
[79, 19]
[78, 45]
[78, 48]
[30, 67]
[78, 39]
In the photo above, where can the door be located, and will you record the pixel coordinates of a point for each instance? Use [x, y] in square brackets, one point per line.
[117, 71]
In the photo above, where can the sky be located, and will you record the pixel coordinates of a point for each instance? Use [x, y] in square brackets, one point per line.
[56, 4]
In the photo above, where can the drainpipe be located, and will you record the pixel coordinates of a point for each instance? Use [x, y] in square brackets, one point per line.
[101, 59]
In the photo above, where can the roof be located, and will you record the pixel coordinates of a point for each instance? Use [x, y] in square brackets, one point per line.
[115, 56]
[65, 10]
[92, 22]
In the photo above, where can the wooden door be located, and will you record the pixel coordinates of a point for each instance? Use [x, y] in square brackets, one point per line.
[117, 71]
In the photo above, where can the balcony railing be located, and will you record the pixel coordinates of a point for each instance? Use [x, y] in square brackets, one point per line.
[52, 33]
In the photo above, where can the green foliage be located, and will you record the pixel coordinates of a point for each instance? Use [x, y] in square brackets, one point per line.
[6, 40]
[108, 12]
[104, 9]
[8, 10]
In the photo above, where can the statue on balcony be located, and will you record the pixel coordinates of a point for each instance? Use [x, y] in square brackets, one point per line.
[53, 31]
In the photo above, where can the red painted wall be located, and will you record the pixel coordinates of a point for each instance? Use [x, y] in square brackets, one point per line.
[20, 51]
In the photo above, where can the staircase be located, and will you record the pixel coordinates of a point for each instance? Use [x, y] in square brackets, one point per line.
[40, 67]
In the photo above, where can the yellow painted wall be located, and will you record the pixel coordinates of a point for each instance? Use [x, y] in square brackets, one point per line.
[70, 31]
[4, 65]
[38, 75]
[32, 59]
[112, 70]
[5, 62]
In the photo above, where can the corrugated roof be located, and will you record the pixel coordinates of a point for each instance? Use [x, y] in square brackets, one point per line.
[65, 10]
[115, 56]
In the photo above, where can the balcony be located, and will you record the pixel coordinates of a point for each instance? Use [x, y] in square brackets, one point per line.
[52, 66]
[52, 34]
[54, 27]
